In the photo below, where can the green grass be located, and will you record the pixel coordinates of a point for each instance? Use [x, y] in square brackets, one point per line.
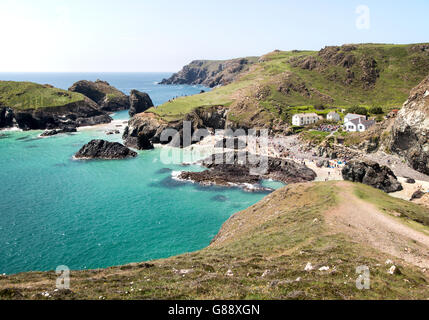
[400, 70]
[406, 209]
[314, 136]
[28, 95]
[266, 247]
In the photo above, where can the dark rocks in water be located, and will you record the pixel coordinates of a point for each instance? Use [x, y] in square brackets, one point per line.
[240, 169]
[101, 149]
[80, 113]
[220, 198]
[372, 174]
[139, 102]
[101, 92]
[53, 132]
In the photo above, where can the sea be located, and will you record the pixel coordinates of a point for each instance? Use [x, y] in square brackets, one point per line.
[57, 211]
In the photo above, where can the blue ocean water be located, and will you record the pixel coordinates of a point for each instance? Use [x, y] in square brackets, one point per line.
[92, 214]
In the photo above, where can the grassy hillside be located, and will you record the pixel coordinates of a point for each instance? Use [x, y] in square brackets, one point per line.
[336, 77]
[261, 253]
[28, 95]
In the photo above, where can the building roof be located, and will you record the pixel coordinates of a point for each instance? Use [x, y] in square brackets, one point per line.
[354, 116]
[306, 115]
[332, 113]
[366, 123]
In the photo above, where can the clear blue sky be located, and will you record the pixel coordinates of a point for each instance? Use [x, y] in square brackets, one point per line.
[161, 35]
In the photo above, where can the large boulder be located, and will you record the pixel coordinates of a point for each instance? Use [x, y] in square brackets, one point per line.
[106, 96]
[139, 102]
[372, 174]
[143, 131]
[101, 149]
[410, 131]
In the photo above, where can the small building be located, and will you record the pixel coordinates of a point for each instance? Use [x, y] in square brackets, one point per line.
[353, 116]
[333, 116]
[358, 125]
[303, 119]
[392, 114]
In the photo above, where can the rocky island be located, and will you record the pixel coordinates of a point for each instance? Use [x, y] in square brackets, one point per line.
[101, 149]
[245, 170]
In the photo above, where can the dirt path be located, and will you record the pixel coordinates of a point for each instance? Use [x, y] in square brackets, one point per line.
[366, 224]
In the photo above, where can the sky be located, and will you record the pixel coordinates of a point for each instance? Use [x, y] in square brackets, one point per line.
[162, 36]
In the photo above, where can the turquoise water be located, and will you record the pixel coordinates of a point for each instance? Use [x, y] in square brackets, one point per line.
[92, 214]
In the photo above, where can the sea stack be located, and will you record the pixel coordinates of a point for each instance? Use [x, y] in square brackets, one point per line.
[101, 149]
[139, 102]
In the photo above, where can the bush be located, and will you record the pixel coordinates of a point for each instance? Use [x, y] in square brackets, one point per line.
[376, 110]
[358, 110]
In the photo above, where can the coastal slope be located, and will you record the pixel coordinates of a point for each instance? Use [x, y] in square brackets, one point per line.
[304, 241]
[281, 83]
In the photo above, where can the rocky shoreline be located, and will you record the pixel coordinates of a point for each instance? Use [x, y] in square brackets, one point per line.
[98, 100]
[245, 170]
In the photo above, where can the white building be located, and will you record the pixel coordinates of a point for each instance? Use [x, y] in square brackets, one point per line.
[352, 116]
[358, 125]
[302, 119]
[333, 116]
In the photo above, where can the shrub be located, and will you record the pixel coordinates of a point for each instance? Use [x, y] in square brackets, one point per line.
[376, 110]
[358, 110]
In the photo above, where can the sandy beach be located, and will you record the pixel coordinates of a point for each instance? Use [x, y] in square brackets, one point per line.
[292, 149]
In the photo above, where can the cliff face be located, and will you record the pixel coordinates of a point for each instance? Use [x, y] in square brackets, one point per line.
[80, 113]
[30, 106]
[139, 102]
[106, 96]
[210, 73]
[410, 132]
[145, 129]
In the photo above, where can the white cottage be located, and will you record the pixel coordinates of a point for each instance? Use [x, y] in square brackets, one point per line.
[302, 119]
[352, 116]
[333, 116]
[358, 125]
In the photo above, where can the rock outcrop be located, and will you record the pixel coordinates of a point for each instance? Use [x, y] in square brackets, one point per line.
[53, 132]
[6, 117]
[81, 113]
[145, 129]
[101, 149]
[410, 131]
[372, 174]
[106, 96]
[139, 102]
[246, 170]
[210, 73]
